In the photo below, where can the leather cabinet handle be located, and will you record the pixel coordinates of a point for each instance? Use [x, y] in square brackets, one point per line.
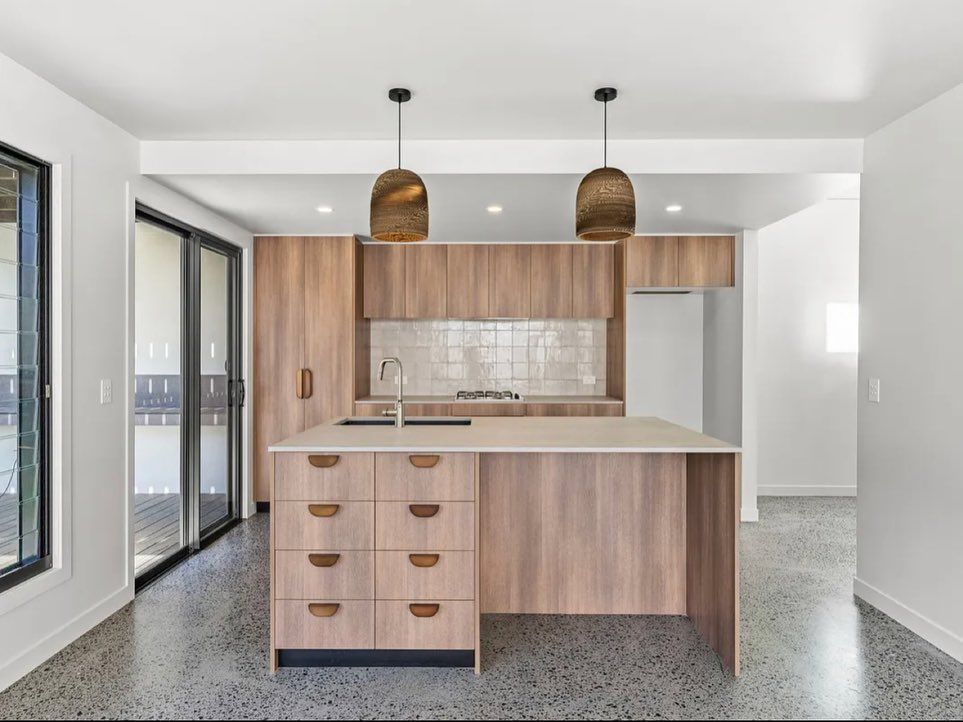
[423, 560]
[323, 560]
[323, 509]
[423, 461]
[423, 511]
[424, 610]
[299, 384]
[323, 461]
[308, 385]
[323, 610]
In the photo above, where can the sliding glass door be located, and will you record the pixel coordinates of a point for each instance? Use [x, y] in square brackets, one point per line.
[188, 390]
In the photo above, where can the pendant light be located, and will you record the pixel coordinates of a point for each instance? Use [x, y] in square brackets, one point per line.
[605, 203]
[399, 199]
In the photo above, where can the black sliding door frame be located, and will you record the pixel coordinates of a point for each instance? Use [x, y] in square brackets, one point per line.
[194, 536]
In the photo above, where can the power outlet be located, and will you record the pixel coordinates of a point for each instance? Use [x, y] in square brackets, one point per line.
[588, 380]
[106, 392]
[874, 391]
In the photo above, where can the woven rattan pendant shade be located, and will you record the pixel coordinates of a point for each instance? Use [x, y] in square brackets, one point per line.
[399, 199]
[605, 202]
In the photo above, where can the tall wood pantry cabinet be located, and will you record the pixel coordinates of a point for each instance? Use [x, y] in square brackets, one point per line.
[310, 338]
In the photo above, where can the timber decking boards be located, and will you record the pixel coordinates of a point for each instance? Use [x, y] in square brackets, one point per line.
[157, 527]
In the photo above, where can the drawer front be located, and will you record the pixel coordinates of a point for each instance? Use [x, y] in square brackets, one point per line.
[319, 575]
[303, 525]
[451, 626]
[477, 408]
[445, 525]
[414, 477]
[324, 477]
[306, 625]
[425, 575]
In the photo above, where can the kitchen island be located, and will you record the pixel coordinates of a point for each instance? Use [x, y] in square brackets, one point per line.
[387, 544]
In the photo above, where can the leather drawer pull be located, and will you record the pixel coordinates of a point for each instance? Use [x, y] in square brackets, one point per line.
[323, 610]
[424, 610]
[423, 511]
[423, 461]
[323, 560]
[423, 560]
[323, 461]
[323, 509]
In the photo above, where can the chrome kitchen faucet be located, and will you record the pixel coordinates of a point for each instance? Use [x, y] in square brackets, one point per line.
[399, 410]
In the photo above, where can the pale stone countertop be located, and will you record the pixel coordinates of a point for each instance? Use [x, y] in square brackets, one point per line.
[604, 434]
[533, 399]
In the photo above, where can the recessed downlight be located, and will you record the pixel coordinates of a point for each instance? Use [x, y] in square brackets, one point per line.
[325, 209]
[673, 208]
[494, 209]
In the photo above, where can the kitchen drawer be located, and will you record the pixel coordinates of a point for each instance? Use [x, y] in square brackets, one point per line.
[425, 575]
[343, 525]
[415, 477]
[314, 575]
[481, 408]
[324, 477]
[446, 525]
[450, 626]
[312, 625]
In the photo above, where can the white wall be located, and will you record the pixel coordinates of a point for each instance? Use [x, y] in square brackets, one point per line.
[806, 394]
[95, 170]
[729, 376]
[910, 466]
[663, 357]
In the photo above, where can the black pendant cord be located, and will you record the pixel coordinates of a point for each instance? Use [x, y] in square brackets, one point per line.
[399, 135]
[605, 134]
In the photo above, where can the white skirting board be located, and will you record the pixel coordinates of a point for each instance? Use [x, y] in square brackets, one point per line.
[777, 490]
[64, 635]
[938, 636]
[749, 514]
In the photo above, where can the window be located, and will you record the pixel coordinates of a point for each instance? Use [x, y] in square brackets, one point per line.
[24, 402]
[842, 328]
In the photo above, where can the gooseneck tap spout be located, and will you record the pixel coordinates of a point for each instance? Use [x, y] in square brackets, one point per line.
[399, 410]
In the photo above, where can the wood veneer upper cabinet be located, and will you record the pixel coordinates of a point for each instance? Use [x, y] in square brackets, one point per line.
[510, 287]
[329, 327]
[652, 261]
[593, 281]
[426, 281]
[384, 281]
[551, 284]
[279, 329]
[468, 280]
[706, 260]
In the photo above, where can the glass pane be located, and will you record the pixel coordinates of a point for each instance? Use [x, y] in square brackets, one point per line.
[157, 395]
[215, 426]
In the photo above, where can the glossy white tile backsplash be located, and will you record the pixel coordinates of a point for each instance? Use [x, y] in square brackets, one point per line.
[527, 356]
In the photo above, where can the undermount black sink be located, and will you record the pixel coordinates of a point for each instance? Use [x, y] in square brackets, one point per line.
[413, 421]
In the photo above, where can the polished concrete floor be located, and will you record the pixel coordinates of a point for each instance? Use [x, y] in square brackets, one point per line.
[193, 646]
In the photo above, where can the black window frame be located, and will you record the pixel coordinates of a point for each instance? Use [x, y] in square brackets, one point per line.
[44, 559]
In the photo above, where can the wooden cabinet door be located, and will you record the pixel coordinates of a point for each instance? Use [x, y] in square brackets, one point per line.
[384, 281]
[593, 281]
[279, 330]
[426, 281]
[468, 279]
[706, 260]
[652, 261]
[574, 409]
[510, 286]
[551, 284]
[329, 327]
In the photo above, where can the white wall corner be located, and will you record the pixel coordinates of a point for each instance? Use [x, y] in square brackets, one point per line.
[748, 259]
[939, 636]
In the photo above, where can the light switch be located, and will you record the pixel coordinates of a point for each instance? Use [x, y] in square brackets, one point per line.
[588, 380]
[874, 391]
[106, 393]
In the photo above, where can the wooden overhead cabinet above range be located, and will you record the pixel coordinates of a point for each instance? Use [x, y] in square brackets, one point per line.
[680, 262]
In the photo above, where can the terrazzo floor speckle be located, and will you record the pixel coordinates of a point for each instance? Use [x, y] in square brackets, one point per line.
[193, 645]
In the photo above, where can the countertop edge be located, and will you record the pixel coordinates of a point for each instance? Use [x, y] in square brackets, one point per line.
[511, 449]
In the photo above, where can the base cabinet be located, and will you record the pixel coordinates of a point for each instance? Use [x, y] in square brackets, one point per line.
[374, 552]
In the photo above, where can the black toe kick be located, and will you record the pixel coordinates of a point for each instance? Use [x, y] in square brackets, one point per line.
[376, 658]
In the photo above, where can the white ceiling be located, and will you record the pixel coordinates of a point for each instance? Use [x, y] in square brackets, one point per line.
[536, 208]
[289, 69]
